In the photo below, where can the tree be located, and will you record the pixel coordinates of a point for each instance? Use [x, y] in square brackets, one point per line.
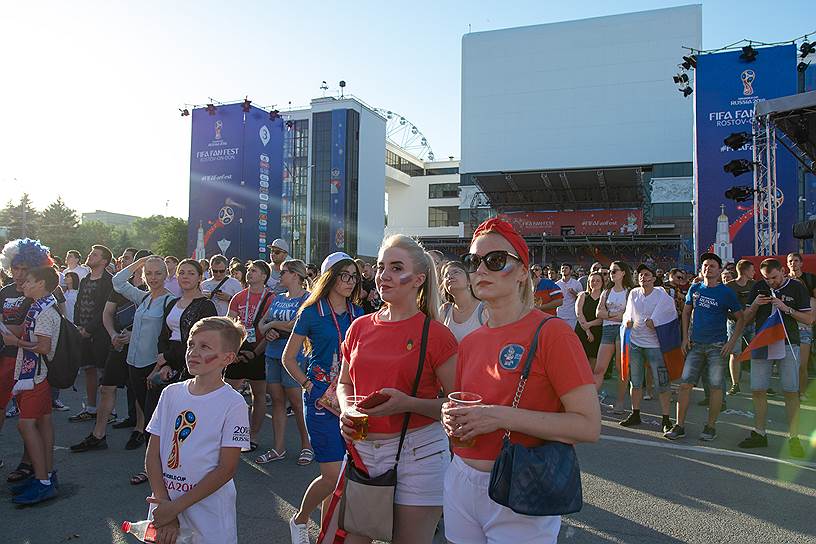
[146, 231]
[96, 232]
[58, 227]
[172, 237]
[21, 220]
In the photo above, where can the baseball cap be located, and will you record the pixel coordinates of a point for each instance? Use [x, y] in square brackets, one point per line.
[713, 256]
[280, 243]
[644, 266]
[332, 260]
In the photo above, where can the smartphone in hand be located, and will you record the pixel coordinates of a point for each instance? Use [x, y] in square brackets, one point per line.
[374, 399]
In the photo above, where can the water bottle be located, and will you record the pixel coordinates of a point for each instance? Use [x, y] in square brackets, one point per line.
[144, 531]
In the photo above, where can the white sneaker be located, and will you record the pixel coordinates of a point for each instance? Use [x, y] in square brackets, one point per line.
[299, 533]
[59, 406]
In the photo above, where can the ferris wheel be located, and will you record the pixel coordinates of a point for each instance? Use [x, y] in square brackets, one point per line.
[403, 133]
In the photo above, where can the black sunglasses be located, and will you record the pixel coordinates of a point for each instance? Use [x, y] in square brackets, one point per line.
[494, 261]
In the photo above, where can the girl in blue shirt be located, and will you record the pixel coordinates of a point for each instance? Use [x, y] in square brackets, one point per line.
[321, 324]
[277, 326]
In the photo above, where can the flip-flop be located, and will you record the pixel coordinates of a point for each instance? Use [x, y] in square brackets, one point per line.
[271, 455]
[306, 457]
[138, 478]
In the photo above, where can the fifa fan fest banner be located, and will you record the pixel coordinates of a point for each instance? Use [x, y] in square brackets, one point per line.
[581, 222]
[235, 166]
[726, 89]
[337, 204]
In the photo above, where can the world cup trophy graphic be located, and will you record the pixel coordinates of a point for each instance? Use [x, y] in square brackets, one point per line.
[747, 77]
[185, 423]
[218, 125]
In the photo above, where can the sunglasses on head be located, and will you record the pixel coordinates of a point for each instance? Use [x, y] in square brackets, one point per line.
[494, 261]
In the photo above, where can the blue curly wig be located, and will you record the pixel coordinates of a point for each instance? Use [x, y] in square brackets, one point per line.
[24, 252]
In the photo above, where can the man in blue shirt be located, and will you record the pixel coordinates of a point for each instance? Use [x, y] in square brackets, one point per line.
[707, 347]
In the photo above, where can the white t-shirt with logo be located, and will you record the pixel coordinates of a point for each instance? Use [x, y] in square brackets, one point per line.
[192, 429]
[643, 307]
[231, 287]
[567, 310]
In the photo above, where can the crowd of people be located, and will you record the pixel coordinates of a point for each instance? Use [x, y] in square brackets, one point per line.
[398, 343]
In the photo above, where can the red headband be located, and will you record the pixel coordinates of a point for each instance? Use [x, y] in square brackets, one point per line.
[506, 230]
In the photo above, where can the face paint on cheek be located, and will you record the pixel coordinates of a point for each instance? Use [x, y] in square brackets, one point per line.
[405, 279]
[207, 359]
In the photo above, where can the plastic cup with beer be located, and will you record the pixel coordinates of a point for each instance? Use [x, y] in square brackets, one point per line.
[359, 419]
[463, 398]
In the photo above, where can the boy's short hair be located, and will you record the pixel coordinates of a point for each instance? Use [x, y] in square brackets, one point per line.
[47, 275]
[743, 265]
[770, 264]
[232, 333]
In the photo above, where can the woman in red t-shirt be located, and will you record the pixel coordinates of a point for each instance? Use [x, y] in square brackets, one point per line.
[381, 354]
[559, 401]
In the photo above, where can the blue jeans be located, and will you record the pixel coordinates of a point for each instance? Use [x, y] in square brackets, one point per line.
[275, 373]
[788, 371]
[747, 336]
[637, 358]
[704, 356]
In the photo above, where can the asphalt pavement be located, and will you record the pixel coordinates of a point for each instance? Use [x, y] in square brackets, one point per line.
[638, 487]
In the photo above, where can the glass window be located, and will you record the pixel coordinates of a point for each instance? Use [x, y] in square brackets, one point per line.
[443, 216]
[443, 190]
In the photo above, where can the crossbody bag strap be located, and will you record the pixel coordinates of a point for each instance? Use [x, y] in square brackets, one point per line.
[528, 365]
[422, 350]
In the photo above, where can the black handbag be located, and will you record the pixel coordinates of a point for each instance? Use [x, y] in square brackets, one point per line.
[367, 505]
[540, 481]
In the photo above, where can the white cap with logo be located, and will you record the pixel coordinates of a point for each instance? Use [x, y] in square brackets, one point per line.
[333, 259]
[281, 244]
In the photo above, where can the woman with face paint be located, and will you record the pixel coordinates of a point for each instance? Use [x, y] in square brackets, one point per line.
[321, 325]
[558, 403]
[380, 355]
[462, 312]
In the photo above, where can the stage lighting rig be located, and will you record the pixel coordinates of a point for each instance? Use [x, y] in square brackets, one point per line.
[246, 105]
[749, 54]
[737, 167]
[689, 62]
[740, 193]
[737, 139]
[184, 112]
[807, 48]
[686, 91]
[211, 109]
[681, 78]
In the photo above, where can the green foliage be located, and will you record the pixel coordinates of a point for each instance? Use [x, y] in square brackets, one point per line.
[57, 226]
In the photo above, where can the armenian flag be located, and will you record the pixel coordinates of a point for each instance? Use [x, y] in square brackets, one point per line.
[769, 341]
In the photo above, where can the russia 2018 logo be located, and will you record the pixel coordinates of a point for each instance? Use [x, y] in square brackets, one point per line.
[510, 356]
[748, 77]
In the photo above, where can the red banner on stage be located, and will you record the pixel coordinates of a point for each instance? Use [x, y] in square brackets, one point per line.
[582, 222]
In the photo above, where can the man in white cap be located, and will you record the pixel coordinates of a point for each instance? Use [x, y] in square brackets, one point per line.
[278, 253]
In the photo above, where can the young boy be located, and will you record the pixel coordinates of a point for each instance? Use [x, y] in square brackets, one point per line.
[197, 433]
[39, 337]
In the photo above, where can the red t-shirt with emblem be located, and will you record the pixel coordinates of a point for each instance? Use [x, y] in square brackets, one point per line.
[490, 363]
[386, 354]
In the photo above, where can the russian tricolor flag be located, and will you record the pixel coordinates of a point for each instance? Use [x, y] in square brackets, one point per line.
[667, 328]
[769, 341]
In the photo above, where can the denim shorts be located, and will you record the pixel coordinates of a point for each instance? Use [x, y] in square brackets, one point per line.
[275, 373]
[610, 334]
[704, 356]
[788, 371]
[747, 336]
[637, 357]
[806, 335]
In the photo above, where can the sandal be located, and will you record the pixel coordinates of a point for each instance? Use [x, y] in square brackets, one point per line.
[306, 457]
[138, 478]
[22, 472]
[271, 455]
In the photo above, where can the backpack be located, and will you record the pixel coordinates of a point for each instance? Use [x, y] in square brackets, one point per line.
[64, 367]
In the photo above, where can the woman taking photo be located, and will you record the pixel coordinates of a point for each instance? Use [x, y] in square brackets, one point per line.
[611, 307]
[589, 327]
[322, 321]
[249, 306]
[276, 328]
[558, 403]
[380, 355]
[462, 312]
[179, 317]
[142, 351]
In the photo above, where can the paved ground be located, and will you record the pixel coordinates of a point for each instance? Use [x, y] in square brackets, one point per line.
[638, 487]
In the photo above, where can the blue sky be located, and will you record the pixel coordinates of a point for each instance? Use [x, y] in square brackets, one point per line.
[91, 89]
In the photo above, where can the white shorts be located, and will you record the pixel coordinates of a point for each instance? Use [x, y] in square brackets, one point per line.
[471, 516]
[421, 471]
